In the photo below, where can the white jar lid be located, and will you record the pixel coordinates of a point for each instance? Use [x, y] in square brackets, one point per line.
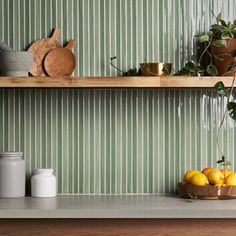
[11, 154]
[43, 171]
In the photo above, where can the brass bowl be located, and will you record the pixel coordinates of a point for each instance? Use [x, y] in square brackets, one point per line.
[155, 69]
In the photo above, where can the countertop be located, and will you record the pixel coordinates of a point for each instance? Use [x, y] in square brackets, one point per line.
[143, 206]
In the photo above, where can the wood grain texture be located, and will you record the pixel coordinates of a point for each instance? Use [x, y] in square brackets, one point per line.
[40, 49]
[60, 61]
[144, 227]
[113, 82]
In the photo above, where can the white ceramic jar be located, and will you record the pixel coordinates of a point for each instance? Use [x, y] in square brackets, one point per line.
[43, 183]
[12, 175]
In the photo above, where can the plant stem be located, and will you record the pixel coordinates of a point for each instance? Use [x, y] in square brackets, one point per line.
[111, 63]
[210, 57]
[205, 50]
[224, 115]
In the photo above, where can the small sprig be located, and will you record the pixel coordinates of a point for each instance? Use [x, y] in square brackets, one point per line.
[130, 72]
[193, 195]
[113, 65]
[230, 109]
[224, 163]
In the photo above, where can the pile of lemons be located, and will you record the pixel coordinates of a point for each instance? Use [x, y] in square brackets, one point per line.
[209, 175]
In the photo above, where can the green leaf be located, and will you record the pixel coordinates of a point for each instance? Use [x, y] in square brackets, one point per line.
[211, 70]
[223, 23]
[219, 28]
[220, 43]
[227, 35]
[131, 72]
[183, 71]
[220, 161]
[113, 58]
[203, 38]
[189, 65]
[230, 26]
[232, 110]
[218, 18]
[220, 88]
[193, 195]
[166, 70]
[231, 68]
[222, 55]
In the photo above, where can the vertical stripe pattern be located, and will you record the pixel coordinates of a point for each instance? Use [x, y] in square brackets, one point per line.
[114, 141]
[135, 31]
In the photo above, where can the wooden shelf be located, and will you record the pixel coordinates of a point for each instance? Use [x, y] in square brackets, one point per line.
[113, 82]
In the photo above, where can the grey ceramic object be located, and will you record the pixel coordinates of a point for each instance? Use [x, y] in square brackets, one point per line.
[15, 63]
[4, 47]
[12, 175]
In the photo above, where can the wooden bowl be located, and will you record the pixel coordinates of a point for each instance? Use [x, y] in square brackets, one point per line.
[207, 192]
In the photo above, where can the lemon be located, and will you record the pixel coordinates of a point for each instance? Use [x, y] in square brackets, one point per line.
[231, 180]
[215, 177]
[207, 170]
[188, 175]
[226, 172]
[199, 179]
[220, 184]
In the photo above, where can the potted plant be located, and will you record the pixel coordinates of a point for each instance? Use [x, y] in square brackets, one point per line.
[223, 45]
[220, 48]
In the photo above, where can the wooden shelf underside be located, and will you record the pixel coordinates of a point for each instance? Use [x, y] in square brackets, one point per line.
[113, 82]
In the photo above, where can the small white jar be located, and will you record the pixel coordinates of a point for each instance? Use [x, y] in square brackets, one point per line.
[43, 183]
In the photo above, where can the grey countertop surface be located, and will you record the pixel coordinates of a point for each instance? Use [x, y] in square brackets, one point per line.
[143, 206]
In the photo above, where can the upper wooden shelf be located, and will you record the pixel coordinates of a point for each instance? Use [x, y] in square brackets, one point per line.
[113, 82]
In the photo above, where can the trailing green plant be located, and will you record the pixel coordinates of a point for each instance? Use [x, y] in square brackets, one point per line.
[190, 69]
[228, 93]
[219, 35]
[130, 72]
[229, 110]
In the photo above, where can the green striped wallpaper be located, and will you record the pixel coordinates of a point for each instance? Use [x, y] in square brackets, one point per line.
[114, 141]
[133, 30]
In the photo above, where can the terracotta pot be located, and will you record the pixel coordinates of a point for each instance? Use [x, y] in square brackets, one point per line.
[222, 65]
[154, 69]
